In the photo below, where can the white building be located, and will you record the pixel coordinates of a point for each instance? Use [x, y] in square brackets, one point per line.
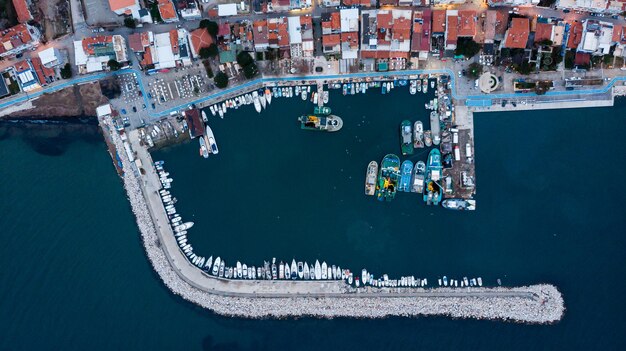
[349, 20]
[597, 37]
[590, 5]
[51, 57]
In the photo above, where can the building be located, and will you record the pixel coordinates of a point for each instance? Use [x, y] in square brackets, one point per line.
[45, 75]
[544, 31]
[420, 38]
[467, 24]
[278, 33]
[225, 10]
[494, 3]
[360, 3]
[51, 57]
[301, 36]
[189, 9]
[124, 7]
[198, 39]
[349, 20]
[517, 34]
[331, 44]
[261, 39]
[167, 11]
[597, 37]
[22, 11]
[331, 23]
[386, 34]
[18, 39]
[92, 54]
[452, 28]
[604, 6]
[32, 75]
[575, 35]
[331, 3]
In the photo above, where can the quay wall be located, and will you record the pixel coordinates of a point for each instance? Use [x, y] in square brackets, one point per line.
[322, 299]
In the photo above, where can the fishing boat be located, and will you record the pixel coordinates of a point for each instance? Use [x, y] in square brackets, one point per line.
[425, 86]
[383, 88]
[435, 127]
[418, 177]
[428, 138]
[318, 270]
[294, 269]
[330, 123]
[419, 86]
[402, 82]
[459, 204]
[268, 95]
[211, 140]
[418, 134]
[257, 103]
[204, 152]
[405, 176]
[345, 89]
[433, 192]
[204, 117]
[370, 178]
[350, 279]
[406, 135]
[321, 110]
[388, 177]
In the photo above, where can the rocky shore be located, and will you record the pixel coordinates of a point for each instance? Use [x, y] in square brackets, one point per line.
[539, 304]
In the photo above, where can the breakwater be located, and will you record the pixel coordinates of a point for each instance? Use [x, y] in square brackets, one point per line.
[323, 299]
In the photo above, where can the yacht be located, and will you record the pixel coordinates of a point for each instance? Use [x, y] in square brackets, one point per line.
[318, 270]
[244, 271]
[268, 96]
[281, 271]
[324, 270]
[305, 273]
[262, 99]
[212, 146]
[294, 269]
[311, 272]
[216, 266]
[257, 103]
[239, 271]
[300, 270]
[287, 271]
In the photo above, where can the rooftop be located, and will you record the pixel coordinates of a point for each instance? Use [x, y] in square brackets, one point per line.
[467, 23]
[22, 11]
[200, 38]
[517, 36]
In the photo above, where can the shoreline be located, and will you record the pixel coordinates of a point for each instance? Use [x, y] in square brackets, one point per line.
[537, 304]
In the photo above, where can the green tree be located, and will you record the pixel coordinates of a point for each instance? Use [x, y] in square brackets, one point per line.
[250, 71]
[208, 52]
[221, 80]
[66, 71]
[130, 22]
[210, 26]
[525, 68]
[467, 47]
[114, 65]
[244, 58]
[154, 12]
[569, 59]
[475, 69]
[545, 42]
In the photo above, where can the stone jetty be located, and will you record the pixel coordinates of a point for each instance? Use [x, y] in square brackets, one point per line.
[323, 299]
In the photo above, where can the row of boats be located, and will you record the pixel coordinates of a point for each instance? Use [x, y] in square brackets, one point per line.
[208, 145]
[413, 136]
[422, 178]
[465, 282]
[416, 86]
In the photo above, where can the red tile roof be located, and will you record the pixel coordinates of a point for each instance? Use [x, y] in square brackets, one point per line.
[543, 31]
[147, 57]
[21, 66]
[420, 40]
[335, 20]
[167, 9]
[618, 34]
[517, 36]
[174, 41]
[134, 41]
[575, 35]
[582, 58]
[388, 2]
[200, 38]
[401, 29]
[260, 31]
[331, 39]
[384, 20]
[42, 71]
[502, 21]
[467, 23]
[88, 43]
[306, 21]
[352, 38]
[16, 36]
[364, 3]
[452, 28]
[23, 13]
[439, 21]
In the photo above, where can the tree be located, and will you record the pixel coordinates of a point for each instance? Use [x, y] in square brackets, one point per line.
[244, 58]
[569, 59]
[66, 71]
[208, 52]
[250, 71]
[114, 65]
[475, 69]
[543, 86]
[130, 22]
[525, 68]
[545, 42]
[221, 80]
[467, 47]
[210, 26]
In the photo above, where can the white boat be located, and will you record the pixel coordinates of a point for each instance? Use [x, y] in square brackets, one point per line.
[412, 87]
[294, 269]
[287, 271]
[221, 113]
[244, 271]
[329, 274]
[315, 98]
[305, 271]
[239, 272]
[335, 272]
[445, 280]
[432, 84]
[324, 270]
[350, 279]
[297, 90]
[480, 281]
[216, 266]
[281, 271]
[304, 95]
[339, 273]
[212, 147]
[213, 111]
[325, 97]
[204, 152]
[364, 276]
[268, 95]
[262, 100]
[208, 264]
[183, 226]
[311, 272]
[318, 270]
[300, 270]
[257, 103]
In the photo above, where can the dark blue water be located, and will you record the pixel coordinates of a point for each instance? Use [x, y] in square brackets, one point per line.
[75, 276]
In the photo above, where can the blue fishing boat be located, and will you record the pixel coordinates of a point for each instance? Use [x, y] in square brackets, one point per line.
[345, 89]
[432, 191]
[384, 88]
[388, 177]
[405, 176]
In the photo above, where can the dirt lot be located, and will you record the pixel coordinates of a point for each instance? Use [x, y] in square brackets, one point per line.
[54, 16]
[71, 102]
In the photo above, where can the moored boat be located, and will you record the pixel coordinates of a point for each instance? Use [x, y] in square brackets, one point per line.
[428, 138]
[321, 110]
[204, 152]
[211, 140]
[418, 134]
[257, 103]
[406, 135]
[370, 178]
[433, 192]
[330, 123]
[388, 177]
[268, 95]
[405, 176]
[459, 204]
[418, 177]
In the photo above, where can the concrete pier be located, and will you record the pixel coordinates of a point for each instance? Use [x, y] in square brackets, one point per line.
[325, 299]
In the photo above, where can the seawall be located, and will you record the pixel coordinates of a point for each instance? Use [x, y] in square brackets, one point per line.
[322, 299]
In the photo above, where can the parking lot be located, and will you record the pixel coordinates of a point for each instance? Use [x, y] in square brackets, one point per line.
[183, 83]
[98, 12]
